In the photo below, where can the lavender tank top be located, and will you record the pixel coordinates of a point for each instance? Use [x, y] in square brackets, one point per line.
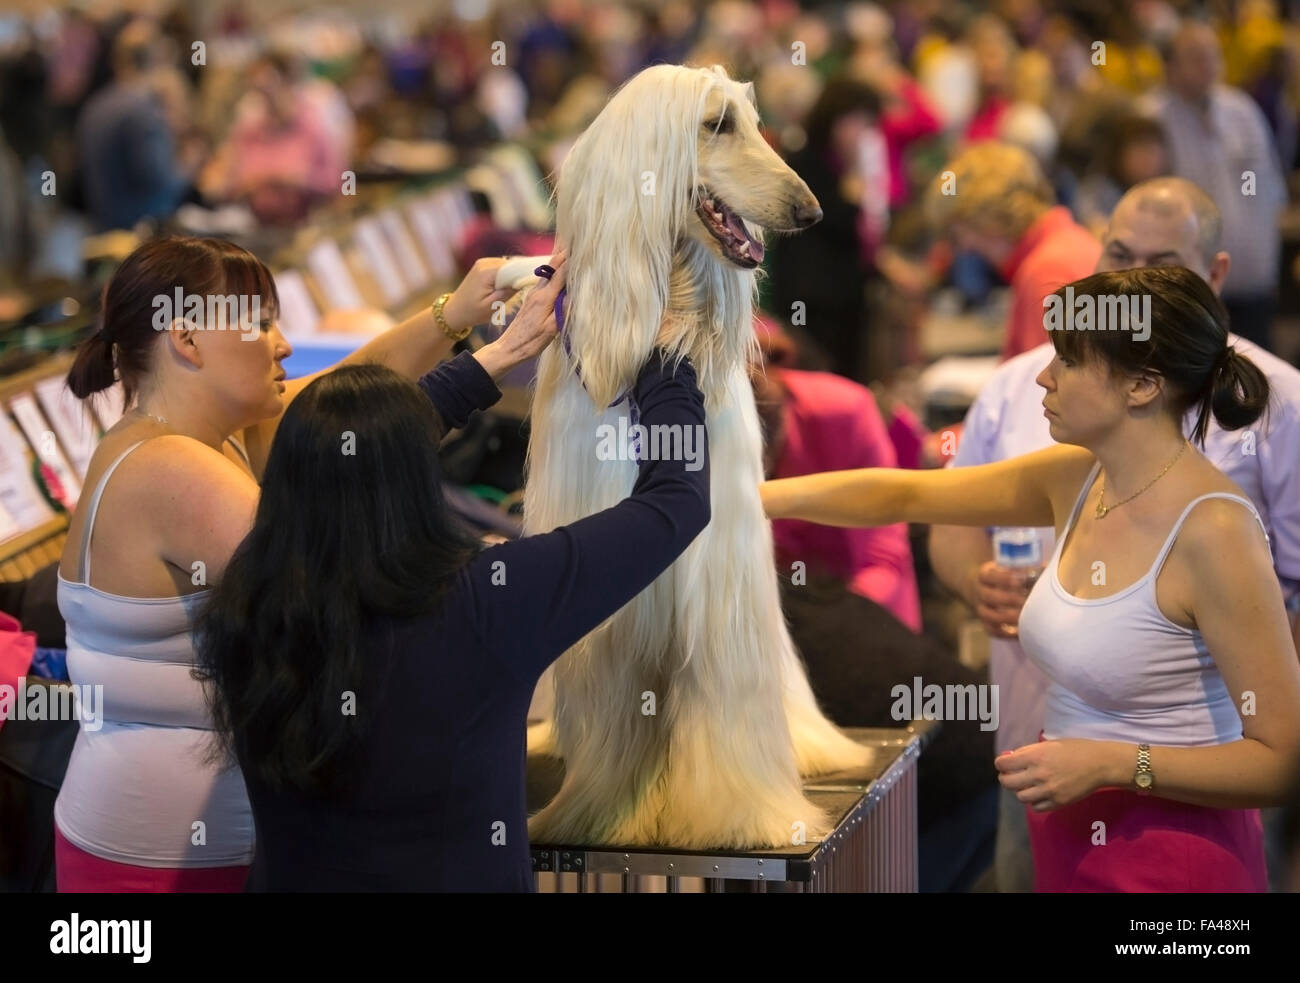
[139, 788]
[1119, 670]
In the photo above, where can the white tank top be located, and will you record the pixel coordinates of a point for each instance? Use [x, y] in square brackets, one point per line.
[1119, 669]
[137, 788]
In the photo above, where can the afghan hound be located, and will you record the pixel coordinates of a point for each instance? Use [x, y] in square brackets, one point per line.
[686, 718]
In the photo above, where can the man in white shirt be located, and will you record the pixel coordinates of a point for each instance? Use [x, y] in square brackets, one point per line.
[1163, 222]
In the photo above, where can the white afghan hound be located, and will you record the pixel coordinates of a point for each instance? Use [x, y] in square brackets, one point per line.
[685, 719]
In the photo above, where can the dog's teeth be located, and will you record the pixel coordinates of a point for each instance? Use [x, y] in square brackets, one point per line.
[744, 250]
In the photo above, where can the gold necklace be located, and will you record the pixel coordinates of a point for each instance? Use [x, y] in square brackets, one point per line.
[156, 419]
[1103, 510]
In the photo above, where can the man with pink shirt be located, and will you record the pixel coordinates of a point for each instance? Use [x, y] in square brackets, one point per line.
[993, 200]
[280, 155]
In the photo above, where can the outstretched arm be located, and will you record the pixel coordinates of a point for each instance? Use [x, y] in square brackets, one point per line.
[418, 344]
[467, 382]
[1021, 491]
[415, 346]
[411, 349]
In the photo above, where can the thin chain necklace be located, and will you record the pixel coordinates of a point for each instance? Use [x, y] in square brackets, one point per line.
[1104, 510]
[156, 419]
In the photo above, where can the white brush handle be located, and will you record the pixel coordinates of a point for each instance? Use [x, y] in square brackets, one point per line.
[517, 272]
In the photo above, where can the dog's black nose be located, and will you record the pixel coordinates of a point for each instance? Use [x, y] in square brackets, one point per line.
[806, 215]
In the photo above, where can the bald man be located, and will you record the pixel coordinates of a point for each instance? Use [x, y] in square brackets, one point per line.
[1219, 139]
[1163, 222]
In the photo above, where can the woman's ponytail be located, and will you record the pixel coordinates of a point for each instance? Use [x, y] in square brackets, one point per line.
[1239, 391]
[92, 369]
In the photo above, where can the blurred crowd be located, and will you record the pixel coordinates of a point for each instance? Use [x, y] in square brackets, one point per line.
[968, 159]
[116, 113]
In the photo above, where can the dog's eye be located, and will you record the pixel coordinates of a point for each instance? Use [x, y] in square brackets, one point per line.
[723, 125]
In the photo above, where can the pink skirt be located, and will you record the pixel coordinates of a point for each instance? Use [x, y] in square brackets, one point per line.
[1146, 844]
[79, 872]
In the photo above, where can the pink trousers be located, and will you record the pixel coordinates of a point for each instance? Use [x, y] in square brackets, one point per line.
[79, 872]
[1118, 841]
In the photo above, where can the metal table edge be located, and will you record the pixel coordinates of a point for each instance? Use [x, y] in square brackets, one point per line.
[645, 861]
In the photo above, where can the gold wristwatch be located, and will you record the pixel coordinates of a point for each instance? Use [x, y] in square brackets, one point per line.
[1144, 778]
[438, 316]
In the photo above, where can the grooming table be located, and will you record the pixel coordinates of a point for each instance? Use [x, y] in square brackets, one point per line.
[872, 848]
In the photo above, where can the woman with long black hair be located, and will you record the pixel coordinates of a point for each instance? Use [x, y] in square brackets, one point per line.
[371, 668]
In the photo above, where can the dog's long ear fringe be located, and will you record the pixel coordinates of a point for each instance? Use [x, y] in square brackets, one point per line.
[624, 192]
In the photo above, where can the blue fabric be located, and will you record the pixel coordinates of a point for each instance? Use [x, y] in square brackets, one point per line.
[128, 158]
[972, 275]
[50, 663]
[441, 803]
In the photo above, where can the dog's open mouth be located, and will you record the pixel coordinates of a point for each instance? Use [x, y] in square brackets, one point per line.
[738, 245]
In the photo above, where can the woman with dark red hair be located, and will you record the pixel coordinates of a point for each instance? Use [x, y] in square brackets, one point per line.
[174, 487]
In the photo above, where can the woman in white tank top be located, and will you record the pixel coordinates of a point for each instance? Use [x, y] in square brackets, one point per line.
[1174, 711]
[144, 805]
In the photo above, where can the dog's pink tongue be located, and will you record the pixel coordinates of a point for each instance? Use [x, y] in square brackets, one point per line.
[738, 229]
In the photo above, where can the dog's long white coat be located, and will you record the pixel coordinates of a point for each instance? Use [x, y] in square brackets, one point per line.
[717, 764]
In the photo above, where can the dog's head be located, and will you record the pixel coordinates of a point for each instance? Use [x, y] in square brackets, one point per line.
[674, 160]
[743, 188]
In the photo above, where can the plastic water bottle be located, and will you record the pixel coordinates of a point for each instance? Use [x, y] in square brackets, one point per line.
[1019, 548]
